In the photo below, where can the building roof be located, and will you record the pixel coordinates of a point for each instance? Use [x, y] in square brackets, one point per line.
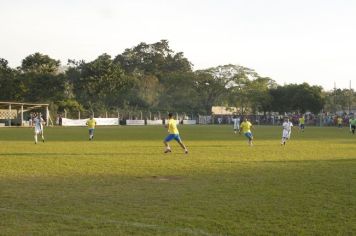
[18, 105]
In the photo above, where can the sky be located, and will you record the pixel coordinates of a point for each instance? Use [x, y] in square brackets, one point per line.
[289, 41]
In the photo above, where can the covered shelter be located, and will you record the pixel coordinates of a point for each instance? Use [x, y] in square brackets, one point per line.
[15, 110]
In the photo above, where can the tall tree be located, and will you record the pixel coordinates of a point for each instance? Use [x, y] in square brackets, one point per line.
[42, 79]
[153, 59]
[297, 98]
[40, 64]
[224, 85]
[100, 83]
[10, 86]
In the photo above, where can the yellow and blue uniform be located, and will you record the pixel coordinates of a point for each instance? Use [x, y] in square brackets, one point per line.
[301, 122]
[173, 131]
[91, 123]
[246, 129]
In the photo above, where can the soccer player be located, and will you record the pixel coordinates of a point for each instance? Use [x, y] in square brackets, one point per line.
[173, 134]
[245, 127]
[38, 124]
[287, 129]
[236, 120]
[353, 124]
[301, 123]
[91, 123]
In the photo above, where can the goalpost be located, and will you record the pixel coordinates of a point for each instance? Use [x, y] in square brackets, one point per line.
[14, 111]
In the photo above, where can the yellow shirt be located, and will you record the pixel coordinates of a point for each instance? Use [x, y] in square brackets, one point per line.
[301, 120]
[91, 123]
[246, 126]
[339, 121]
[172, 127]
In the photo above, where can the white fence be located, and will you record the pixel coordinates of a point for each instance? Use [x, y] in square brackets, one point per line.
[82, 122]
[115, 121]
[189, 122]
[154, 122]
[135, 122]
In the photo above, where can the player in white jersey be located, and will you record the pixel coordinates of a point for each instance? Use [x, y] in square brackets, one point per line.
[38, 124]
[287, 129]
[236, 121]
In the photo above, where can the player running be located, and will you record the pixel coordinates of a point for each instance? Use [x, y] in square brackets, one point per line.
[245, 127]
[287, 130]
[173, 134]
[38, 124]
[91, 123]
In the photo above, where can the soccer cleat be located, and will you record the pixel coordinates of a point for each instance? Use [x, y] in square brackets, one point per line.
[167, 150]
[186, 151]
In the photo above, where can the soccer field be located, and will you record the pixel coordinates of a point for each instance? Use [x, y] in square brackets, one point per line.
[123, 184]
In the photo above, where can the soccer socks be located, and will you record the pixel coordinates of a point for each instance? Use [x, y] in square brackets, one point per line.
[36, 139]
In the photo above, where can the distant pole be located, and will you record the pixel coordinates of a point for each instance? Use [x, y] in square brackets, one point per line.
[78, 114]
[9, 114]
[21, 115]
[334, 96]
[47, 116]
[350, 95]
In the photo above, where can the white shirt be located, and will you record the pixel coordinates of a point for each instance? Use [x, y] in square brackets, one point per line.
[287, 125]
[38, 122]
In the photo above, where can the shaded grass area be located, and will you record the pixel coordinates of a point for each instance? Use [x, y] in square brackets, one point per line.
[122, 185]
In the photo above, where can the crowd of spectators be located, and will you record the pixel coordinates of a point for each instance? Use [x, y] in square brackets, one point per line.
[323, 119]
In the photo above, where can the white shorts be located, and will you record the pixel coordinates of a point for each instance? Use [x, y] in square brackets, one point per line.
[286, 134]
[236, 126]
[38, 130]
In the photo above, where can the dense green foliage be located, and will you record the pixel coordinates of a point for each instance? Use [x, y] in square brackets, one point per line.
[152, 77]
[123, 184]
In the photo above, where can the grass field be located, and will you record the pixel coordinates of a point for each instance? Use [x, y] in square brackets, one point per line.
[123, 184]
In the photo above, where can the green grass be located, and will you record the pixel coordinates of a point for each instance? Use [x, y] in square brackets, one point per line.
[122, 183]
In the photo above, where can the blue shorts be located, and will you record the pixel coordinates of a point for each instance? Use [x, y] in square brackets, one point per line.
[170, 137]
[91, 131]
[248, 135]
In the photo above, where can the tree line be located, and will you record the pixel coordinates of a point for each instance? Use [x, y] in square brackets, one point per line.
[152, 77]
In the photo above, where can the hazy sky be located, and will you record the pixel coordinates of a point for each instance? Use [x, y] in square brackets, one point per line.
[290, 41]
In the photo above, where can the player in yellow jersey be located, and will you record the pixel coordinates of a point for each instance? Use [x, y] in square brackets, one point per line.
[91, 123]
[245, 127]
[173, 134]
